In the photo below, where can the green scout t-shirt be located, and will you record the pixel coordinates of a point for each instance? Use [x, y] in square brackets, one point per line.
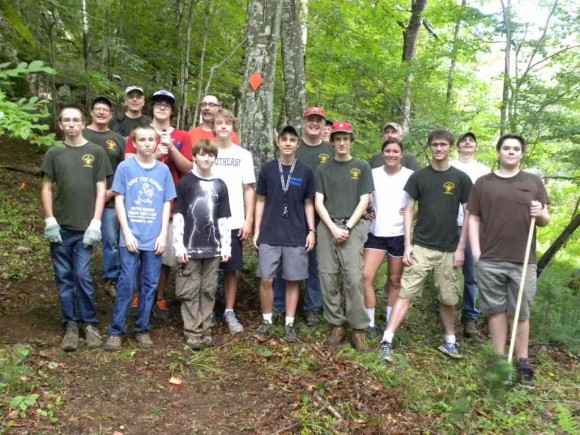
[342, 184]
[114, 145]
[75, 172]
[439, 194]
[314, 155]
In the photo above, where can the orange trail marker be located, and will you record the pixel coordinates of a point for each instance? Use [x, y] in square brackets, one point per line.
[255, 81]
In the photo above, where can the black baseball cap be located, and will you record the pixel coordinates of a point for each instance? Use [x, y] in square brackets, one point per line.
[288, 129]
[102, 99]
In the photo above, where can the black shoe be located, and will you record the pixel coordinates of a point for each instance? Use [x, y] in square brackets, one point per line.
[525, 372]
[312, 319]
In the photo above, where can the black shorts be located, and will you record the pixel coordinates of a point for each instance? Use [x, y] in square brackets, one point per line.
[393, 246]
[236, 262]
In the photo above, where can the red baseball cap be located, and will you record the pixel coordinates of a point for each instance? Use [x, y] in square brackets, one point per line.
[341, 127]
[315, 111]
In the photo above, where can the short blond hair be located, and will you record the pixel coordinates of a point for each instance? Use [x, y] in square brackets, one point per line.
[228, 116]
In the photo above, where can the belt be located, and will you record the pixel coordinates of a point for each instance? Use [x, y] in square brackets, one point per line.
[342, 221]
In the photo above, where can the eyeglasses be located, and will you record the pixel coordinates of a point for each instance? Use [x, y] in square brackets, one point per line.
[212, 105]
[162, 106]
[102, 109]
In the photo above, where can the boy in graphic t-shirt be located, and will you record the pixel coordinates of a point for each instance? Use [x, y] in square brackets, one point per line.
[235, 166]
[284, 227]
[201, 238]
[144, 189]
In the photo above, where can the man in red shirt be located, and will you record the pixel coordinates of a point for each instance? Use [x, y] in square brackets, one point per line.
[209, 104]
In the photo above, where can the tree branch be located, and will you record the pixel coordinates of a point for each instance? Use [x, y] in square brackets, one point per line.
[219, 65]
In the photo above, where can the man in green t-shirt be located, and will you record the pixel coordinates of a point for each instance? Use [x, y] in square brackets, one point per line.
[343, 186]
[98, 132]
[73, 198]
[435, 245]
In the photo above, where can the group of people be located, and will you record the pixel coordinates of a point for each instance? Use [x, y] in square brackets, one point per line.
[167, 198]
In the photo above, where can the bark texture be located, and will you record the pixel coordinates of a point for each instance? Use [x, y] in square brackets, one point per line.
[257, 107]
[293, 62]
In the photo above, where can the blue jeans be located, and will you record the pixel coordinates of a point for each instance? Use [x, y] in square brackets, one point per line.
[149, 278]
[110, 231]
[313, 296]
[470, 312]
[72, 271]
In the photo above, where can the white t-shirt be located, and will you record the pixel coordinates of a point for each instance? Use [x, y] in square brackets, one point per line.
[388, 199]
[235, 166]
[474, 170]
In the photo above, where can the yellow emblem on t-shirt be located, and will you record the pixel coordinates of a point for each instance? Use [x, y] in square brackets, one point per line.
[323, 158]
[111, 145]
[448, 188]
[88, 160]
[354, 174]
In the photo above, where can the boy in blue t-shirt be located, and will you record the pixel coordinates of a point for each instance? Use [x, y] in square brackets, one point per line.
[284, 227]
[143, 192]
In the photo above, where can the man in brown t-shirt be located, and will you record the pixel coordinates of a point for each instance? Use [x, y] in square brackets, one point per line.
[501, 206]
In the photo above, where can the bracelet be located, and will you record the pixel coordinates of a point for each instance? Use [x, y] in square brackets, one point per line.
[347, 228]
[310, 230]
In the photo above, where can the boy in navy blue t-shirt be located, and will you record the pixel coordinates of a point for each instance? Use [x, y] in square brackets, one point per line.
[144, 189]
[284, 227]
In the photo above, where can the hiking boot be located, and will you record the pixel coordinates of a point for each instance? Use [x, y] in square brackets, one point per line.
[470, 330]
[194, 344]
[385, 351]
[312, 319]
[525, 372]
[207, 341]
[111, 289]
[371, 332]
[290, 333]
[264, 329]
[357, 339]
[93, 337]
[70, 340]
[451, 350]
[336, 337]
[113, 343]
[144, 341]
[160, 309]
[231, 320]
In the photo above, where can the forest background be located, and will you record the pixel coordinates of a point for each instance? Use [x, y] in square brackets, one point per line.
[466, 65]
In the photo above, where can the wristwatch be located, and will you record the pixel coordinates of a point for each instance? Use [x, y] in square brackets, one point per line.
[346, 227]
[310, 230]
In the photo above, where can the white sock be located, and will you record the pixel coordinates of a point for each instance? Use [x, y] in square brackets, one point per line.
[450, 339]
[228, 310]
[389, 311]
[388, 336]
[371, 314]
[289, 320]
[267, 317]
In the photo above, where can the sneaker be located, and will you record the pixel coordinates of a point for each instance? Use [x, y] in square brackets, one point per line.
[93, 337]
[451, 350]
[207, 341]
[144, 341]
[113, 343]
[264, 329]
[231, 320]
[194, 344]
[312, 319]
[336, 337]
[470, 330]
[111, 288]
[70, 340]
[160, 309]
[371, 332]
[525, 372]
[290, 333]
[357, 339]
[385, 351]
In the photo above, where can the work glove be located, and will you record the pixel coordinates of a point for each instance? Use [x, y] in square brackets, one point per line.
[52, 230]
[92, 234]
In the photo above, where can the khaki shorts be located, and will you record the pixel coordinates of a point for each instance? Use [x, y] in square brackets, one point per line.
[499, 284]
[444, 275]
[168, 257]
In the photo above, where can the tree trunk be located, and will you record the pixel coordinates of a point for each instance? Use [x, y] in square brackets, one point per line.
[451, 76]
[293, 62]
[257, 107]
[198, 98]
[184, 76]
[505, 100]
[558, 243]
[410, 39]
[85, 30]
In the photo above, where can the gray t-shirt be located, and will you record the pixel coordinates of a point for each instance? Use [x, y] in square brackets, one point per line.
[314, 155]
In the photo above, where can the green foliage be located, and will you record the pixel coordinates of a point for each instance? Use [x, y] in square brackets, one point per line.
[566, 421]
[14, 371]
[496, 371]
[24, 118]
